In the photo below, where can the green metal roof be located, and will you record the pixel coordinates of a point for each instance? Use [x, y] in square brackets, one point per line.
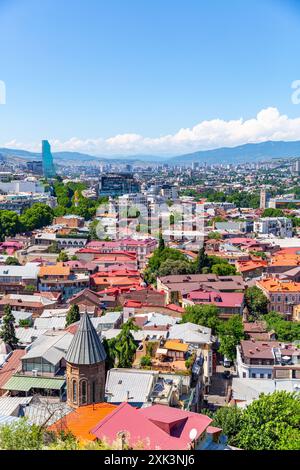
[24, 384]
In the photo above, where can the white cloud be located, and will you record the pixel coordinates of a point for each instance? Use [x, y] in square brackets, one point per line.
[269, 124]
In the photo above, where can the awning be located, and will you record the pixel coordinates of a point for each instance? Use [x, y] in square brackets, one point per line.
[24, 384]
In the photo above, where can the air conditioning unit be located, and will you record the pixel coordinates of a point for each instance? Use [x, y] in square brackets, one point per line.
[35, 373]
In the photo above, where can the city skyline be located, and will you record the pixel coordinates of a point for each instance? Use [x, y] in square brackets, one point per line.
[148, 80]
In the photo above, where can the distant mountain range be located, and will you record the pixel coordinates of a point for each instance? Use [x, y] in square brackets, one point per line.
[243, 153]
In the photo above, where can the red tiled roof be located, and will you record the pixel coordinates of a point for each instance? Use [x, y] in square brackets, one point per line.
[11, 366]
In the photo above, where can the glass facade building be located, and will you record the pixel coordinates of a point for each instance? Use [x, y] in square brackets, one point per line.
[48, 165]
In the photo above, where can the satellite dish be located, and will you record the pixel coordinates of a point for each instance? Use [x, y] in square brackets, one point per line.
[193, 434]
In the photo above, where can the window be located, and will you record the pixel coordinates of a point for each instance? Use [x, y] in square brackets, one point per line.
[262, 376]
[84, 392]
[253, 375]
[269, 376]
[244, 375]
[74, 391]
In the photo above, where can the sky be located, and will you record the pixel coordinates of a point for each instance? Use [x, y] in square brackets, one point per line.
[155, 77]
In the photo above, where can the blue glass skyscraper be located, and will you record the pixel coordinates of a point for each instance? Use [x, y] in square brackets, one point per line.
[48, 165]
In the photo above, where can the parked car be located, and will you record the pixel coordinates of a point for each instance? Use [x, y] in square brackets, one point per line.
[227, 362]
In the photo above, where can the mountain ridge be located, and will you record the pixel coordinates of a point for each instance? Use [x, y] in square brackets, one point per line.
[251, 152]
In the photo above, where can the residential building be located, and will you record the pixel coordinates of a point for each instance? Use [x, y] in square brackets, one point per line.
[275, 226]
[282, 295]
[256, 359]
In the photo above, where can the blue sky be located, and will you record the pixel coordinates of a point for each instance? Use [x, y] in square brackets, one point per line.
[148, 76]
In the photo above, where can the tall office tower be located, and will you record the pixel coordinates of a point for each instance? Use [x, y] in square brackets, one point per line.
[195, 166]
[263, 199]
[48, 165]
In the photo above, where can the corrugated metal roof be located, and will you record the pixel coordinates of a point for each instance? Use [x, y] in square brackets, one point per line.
[24, 384]
[8, 420]
[86, 347]
[121, 382]
[10, 405]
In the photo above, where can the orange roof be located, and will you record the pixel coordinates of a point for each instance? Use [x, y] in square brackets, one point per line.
[286, 259]
[56, 270]
[116, 281]
[80, 421]
[175, 345]
[275, 285]
[244, 266]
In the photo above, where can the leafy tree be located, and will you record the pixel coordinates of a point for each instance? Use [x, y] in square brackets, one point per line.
[9, 224]
[256, 301]
[231, 333]
[285, 330]
[223, 269]
[24, 323]
[272, 213]
[54, 248]
[21, 436]
[229, 419]
[269, 422]
[109, 346]
[125, 345]
[62, 257]
[7, 333]
[204, 315]
[161, 245]
[11, 261]
[214, 236]
[73, 315]
[146, 361]
[29, 289]
[158, 258]
[202, 261]
[174, 267]
[38, 216]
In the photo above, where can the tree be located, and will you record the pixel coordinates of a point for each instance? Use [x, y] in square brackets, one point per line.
[7, 333]
[174, 267]
[229, 419]
[9, 224]
[256, 301]
[269, 422]
[161, 244]
[21, 436]
[29, 289]
[223, 269]
[146, 361]
[73, 315]
[214, 236]
[204, 315]
[285, 330]
[11, 261]
[62, 257]
[231, 333]
[202, 260]
[125, 346]
[272, 213]
[38, 216]
[54, 248]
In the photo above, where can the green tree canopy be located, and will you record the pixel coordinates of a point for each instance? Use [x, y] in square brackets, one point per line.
[271, 423]
[38, 216]
[7, 333]
[73, 315]
[230, 332]
[11, 261]
[256, 301]
[204, 315]
[285, 330]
